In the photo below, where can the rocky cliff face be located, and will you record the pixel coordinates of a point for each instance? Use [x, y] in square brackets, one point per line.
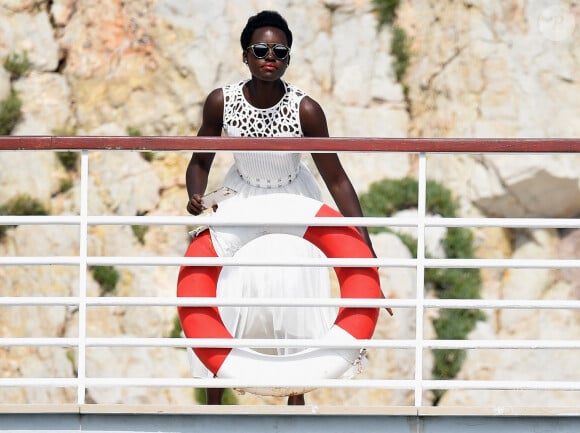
[478, 69]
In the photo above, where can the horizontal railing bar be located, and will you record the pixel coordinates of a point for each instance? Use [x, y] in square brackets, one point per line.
[321, 383]
[566, 385]
[40, 260]
[339, 383]
[301, 262]
[303, 144]
[39, 342]
[293, 222]
[39, 382]
[503, 222]
[291, 302]
[501, 344]
[201, 302]
[201, 383]
[264, 343]
[122, 342]
[39, 220]
[48, 301]
[502, 303]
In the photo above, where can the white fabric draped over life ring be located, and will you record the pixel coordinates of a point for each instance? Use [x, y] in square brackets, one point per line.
[334, 242]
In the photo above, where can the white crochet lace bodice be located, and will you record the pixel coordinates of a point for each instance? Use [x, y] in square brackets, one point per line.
[241, 119]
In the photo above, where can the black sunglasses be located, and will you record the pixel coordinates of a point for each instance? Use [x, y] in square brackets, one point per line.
[261, 49]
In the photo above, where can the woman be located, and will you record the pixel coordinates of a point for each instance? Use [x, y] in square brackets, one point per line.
[267, 106]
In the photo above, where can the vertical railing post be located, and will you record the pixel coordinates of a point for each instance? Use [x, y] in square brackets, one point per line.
[420, 294]
[83, 235]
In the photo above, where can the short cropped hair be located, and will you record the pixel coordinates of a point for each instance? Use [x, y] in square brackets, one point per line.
[264, 19]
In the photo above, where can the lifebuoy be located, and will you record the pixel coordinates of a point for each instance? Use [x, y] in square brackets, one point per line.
[310, 364]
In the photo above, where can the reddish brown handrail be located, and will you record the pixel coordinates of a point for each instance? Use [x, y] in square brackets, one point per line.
[436, 145]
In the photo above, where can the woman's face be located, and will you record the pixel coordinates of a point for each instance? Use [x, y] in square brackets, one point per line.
[271, 67]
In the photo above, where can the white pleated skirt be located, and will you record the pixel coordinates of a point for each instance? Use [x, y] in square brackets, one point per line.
[273, 281]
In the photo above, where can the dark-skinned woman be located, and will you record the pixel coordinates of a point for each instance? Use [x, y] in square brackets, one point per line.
[266, 106]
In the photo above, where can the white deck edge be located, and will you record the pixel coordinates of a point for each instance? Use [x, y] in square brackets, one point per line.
[424, 411]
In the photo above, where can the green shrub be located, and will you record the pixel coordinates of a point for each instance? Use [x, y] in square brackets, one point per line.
[65, 132]
[139, 232]
[387, 196]
[17, 64]
[69, 160]
[66, 184]
[10, 111]
[400, 45]
[176, 331]
[10, 108]
[401, 51]
[147, 156]
[21, 205]
[71, 356]
[133, 131]
[107, 277]
[386, 10]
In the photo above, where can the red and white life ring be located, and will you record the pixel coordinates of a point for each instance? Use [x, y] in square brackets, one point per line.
[350, 324]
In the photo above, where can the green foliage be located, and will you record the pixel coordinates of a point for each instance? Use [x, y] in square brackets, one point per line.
[386, 10]
[133, 131]
[456, 324]
[17, 64]
[139, 232]
[65, 185]
[386, 197]
[10, 108]
[10, 111]
[65, 132]
[21, 205]
[445, 366]
[229, 396]
[72, 358]
[459, 243]
[69, 160]
[400, 45]
[401, 51]
[147, 156]
[176, 331]
[455, 283]
[106, 276]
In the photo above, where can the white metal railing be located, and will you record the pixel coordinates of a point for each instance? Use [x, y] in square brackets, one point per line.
[419, 344]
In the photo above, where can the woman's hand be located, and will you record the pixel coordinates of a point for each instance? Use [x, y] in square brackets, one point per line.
[194, 205]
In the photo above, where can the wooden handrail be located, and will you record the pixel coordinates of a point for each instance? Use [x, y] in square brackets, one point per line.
[162, 143]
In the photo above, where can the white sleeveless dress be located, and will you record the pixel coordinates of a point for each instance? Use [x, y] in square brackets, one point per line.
[257, 173]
